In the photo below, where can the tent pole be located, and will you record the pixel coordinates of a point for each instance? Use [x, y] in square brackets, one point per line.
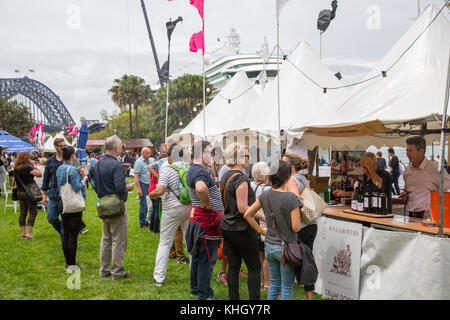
[167, 109]
[278, 83]
[444, 127]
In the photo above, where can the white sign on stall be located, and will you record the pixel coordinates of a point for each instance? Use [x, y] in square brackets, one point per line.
[341, 264]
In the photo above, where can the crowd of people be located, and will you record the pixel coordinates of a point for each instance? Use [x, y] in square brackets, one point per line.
[190, 204]
[203, 200]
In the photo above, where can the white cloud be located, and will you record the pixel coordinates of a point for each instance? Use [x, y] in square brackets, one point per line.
[80, 64]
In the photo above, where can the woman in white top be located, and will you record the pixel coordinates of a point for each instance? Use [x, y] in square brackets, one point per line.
[260, 172]
[296, 184]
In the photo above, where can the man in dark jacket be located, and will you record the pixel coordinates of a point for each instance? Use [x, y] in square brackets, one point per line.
[109, 180]
[395, 170]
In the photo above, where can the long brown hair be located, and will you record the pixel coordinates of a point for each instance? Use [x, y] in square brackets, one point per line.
[23, 159]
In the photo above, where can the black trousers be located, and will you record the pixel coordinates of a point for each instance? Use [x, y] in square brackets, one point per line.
[396, 189]
[238, 246]
[71, 223]
[307, 235]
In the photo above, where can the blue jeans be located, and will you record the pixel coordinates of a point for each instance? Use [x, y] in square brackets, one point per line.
[154, 217]
[202, 268]
[281, 278]
[53, 215]
[143, 204]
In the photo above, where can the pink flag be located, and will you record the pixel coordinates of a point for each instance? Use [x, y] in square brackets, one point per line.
[74, 132]
[37, 130]
[199, 5]
[32, 130]
[197, 42]
[70, 127]
[42, 135]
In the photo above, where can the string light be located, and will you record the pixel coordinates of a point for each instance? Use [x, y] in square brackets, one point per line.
[195, 109]
[181, 123]
[383, 73]
[385, 79]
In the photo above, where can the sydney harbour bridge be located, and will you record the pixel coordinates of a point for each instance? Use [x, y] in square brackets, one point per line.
[42, 102]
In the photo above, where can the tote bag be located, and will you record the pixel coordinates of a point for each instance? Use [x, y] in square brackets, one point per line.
[72, 201]
[313, 205]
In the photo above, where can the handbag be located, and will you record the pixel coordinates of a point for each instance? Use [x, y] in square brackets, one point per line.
[72, 201]
[291, 251]
[110, 206]
[32, 189]
[313, 204]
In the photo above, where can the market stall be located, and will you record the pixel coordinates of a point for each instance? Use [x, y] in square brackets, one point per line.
[393, 258]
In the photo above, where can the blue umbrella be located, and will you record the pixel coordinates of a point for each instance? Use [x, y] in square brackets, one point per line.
[21, 148]
[82, 140]
[8, 140]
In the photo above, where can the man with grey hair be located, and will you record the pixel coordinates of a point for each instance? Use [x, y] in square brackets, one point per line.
[110, 179]
[142, 180]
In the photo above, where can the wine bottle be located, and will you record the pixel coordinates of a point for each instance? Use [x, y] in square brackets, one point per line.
[367, 202]
[361, 200]
[383, 202]
[375, 202]
[355, 196]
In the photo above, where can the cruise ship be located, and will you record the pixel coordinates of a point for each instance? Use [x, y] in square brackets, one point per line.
[218, 72]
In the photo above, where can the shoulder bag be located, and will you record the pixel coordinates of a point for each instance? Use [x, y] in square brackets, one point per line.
[225, 188]
[110, 206]
[313, 204]
[32, 189]
[72, 201]
[291, 251]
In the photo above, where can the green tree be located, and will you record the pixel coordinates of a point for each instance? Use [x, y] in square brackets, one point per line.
[131, 91]
[185, 94]
[15, 118]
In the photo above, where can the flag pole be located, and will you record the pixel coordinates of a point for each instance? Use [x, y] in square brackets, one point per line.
[278, 82]
[204, 81]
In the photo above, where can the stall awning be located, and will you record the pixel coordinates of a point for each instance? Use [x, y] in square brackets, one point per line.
[137, 143]
[95, 143]
[350, 130]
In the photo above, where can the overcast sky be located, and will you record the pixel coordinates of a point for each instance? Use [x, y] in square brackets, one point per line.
[78, 47]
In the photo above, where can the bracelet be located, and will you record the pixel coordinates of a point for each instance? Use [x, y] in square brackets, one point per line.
[260, 230]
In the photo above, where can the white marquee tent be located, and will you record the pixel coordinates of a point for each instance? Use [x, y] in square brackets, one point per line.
[414, 92]
[301, 101]
[220, 113]
[48, 145]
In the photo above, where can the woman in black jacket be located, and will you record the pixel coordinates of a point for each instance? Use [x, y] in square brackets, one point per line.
[24, 172]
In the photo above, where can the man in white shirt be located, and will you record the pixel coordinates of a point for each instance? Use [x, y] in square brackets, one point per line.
[421, 176]
[174, 213]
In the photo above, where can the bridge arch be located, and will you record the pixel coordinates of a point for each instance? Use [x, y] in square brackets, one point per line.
[56, 114]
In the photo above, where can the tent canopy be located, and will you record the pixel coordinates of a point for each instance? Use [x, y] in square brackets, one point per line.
[48, 145]
[221, 114]
[301, 101]
[414, 92]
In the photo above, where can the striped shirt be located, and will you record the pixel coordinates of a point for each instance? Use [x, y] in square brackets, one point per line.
[198, 173]
[169, 177]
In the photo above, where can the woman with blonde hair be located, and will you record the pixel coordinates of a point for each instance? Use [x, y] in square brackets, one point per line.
[240, 242]
[24, 173]
[297, 183]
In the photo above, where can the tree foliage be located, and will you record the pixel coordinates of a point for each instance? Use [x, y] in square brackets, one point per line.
[132, 92]
[15, 118]
[185, 96]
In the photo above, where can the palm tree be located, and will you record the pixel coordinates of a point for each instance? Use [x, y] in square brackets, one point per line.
[131, 91]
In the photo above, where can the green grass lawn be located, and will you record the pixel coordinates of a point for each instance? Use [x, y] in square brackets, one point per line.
[34, 269]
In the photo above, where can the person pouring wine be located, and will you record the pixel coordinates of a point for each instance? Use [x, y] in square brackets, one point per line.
[376, 186]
